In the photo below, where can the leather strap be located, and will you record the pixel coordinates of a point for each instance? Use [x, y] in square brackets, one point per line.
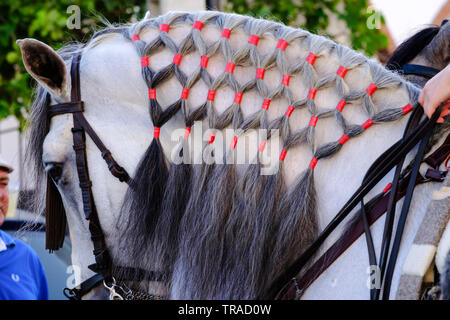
[418, 70]
[66, 107]
[84, 288]
[435, 159]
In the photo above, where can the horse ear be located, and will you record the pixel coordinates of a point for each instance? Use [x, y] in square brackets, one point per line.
[439, 47]
[45, 66]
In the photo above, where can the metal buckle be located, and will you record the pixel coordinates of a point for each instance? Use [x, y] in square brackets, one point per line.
[113, 295]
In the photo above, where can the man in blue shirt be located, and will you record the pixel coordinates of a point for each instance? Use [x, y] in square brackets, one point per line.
[22, 276]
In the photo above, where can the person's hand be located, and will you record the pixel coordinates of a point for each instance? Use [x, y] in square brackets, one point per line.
[437, 90]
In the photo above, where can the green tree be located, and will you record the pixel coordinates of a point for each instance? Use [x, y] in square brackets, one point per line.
[315, 18]
[46, 21]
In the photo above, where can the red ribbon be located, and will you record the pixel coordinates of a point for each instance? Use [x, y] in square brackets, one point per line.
[285, 80]
[313, 163]
[312, 93]
[226, 33]
[184, 93]
[164, 27]
[230, 67]
[187, 131]
[371, 89]
[341, 71]
[367, 124]
[238, 97]
[260, 73]
[282, 44]
[152, 93]
[156, 131]
[253, 39]
[144, 61]
[197, 25]
[177, 58]
[266, 104]
[211, 95]
[311, 58]
[204, 61]
[341, 104]
[289, 111]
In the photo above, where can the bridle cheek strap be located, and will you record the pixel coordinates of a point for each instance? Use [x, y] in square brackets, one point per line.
[103, 262]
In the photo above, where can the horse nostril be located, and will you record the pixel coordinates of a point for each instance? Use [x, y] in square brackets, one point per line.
[54, 170]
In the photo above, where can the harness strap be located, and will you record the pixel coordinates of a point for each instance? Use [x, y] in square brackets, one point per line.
[84, 288]
[418, 70]
[66, 107]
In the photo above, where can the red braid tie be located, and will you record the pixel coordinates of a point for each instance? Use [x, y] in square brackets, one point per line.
[260, 73]
[367, 124]
[341, 104]
[204, 61]
[407, 108]
[144, 61]
[164, 27]
[177, 59]
[289, 111]
[313, 121]
[238, 97]
[266, 104]
[135, 37]
[156, 131]
[152, 93]
[341, 71]
[311, 58]
[233, 143]
[283, 154]
[313, 163]
[230, 67]
[197, 25]
[343, 139]
[371, 89]
[184, 93]
[211, 95]
[187, 131]
[254, 39]
[226, 33]
[282, 44]
[312, 93]
[262, 145]
[212, 137]
[285, 80]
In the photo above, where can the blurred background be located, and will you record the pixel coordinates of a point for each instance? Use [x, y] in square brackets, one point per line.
[373, 27]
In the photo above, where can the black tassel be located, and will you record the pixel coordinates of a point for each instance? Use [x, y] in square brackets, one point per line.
[55, 218]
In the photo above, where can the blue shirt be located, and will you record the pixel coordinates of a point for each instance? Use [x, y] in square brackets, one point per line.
[22, 276]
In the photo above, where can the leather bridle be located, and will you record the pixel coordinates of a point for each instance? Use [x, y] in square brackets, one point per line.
[103, 266]
[288, 286]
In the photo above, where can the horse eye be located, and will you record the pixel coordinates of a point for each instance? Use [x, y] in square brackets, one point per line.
[54, 170]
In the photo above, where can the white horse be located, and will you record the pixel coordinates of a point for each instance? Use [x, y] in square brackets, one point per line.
[116, 102]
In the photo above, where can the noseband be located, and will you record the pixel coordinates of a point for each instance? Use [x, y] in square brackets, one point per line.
[103, 266]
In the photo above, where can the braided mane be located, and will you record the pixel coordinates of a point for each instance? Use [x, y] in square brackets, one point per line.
[217, 232]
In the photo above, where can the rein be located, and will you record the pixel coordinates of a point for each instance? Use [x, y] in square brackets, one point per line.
[103, 265]
[288, 286]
